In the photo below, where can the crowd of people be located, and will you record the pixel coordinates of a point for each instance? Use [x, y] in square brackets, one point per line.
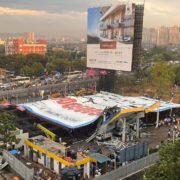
[174, 126]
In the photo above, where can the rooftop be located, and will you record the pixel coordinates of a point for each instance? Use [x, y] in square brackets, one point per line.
[48, 145]
[74, 112]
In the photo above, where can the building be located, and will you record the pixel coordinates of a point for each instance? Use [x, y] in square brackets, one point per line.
[118, 22]
[3, 73]
[174, 35]
[2, 42]
[149, 37]
[55, 156]
[30, 37]
[19, 46]
[58, 49]
[163, 36]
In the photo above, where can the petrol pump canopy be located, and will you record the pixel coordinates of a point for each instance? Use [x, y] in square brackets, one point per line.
[75, 112]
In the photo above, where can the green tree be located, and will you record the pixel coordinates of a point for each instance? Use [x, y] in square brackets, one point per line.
[79, 65]
[37, 68]
[2, 49]
[7, 127]
[27, 71]
[169, 166]
[162, 76]
[50, 67]
[62, 65]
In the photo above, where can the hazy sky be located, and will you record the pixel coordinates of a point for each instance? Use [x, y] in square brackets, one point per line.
[68, 17]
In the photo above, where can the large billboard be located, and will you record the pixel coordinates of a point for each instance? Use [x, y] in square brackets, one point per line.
[110, 37]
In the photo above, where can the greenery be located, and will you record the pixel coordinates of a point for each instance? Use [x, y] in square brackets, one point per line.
[162, 76]
[169, 166]
[162, 52]
[7, 127]
[36, 65]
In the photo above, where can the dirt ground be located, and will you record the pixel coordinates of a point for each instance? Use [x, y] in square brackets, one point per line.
[7, 174]
[155, 136]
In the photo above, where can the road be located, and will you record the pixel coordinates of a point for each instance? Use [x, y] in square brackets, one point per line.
[33, 93]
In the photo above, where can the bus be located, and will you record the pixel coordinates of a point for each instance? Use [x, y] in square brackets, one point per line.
[20, 80]
[73, 74]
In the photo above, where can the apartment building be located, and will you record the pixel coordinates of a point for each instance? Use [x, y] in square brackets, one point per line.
[174, 35]
[19, 46]
[30, 37]
[162, 36]
[149, 37]
[118, 22]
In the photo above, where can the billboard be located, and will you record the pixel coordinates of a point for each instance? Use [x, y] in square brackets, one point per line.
[110, 35]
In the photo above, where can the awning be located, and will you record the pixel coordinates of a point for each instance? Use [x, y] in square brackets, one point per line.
[100, 157]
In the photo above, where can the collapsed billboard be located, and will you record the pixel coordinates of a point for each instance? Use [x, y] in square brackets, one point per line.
[110, 37]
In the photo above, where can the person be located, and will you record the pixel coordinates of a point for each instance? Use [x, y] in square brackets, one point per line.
[169, 133]
[177, 134]
[174, 119]
[175, 127]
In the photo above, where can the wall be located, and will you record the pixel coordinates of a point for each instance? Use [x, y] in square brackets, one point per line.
[131, 168]
[18, 166]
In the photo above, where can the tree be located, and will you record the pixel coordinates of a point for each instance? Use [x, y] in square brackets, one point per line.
[169, 166]
[79, 65]
[177, 75]
[61, 65]
[2, 49]
[50, 67]
[27, 71]
[7, 127]
[37, 68]
[162, 76]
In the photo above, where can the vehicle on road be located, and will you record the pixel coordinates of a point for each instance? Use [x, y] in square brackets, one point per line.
[20, 80]
[73, 74]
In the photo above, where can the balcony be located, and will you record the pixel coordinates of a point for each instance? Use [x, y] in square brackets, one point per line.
[116, 24]
[104, 26]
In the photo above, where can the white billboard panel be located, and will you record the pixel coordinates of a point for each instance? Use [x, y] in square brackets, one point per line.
[110, 37]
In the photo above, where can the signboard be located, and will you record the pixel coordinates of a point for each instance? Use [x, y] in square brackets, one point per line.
[110, 37]
[68, 112]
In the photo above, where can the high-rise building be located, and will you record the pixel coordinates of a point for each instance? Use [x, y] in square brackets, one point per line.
[19, 46]
[174, 35]
[30, 37]
[163, 36]
[149, 37]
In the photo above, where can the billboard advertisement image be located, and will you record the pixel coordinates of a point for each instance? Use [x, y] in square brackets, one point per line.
[110, 35]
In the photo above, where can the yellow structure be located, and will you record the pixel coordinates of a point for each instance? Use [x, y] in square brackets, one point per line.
[53, 155]
[47, 131]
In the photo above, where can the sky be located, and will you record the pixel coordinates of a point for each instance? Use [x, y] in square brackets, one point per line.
[57, 18]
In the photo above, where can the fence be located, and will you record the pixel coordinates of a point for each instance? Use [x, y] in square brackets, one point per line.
[25, 172]
[131, 168]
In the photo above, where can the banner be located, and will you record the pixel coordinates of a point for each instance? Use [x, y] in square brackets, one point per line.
[110, 35]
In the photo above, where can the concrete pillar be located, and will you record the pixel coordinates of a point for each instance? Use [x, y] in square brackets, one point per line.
[157, 119]
[124, 130]
[86, 170]
[41, 158]
[63, 166]
[56, 166]
[26, 151]
[137, 127]
[171, 112]
[104, 116]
